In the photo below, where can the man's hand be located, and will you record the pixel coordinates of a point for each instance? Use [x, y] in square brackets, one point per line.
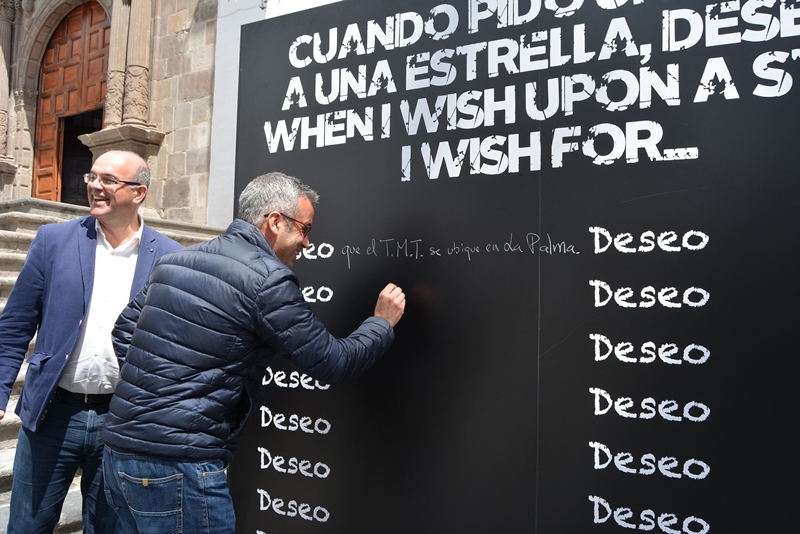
[2, 414]
[391, 304]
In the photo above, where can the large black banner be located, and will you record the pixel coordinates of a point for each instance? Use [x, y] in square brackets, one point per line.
[592, 206]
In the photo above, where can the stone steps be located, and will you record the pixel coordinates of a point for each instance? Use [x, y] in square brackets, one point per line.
[13, 241]
[26, 223]
[19, 221]
[25, 216]
[11, 263]
[6, 283]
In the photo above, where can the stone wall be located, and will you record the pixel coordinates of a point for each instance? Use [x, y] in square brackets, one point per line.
[183, 37]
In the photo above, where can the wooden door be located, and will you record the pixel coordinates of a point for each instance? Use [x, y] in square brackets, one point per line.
[72, 81]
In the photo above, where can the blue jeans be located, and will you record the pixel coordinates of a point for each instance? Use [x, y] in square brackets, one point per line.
[161, 496]
[46, 462]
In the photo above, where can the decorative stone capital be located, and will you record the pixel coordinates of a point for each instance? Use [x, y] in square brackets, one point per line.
[115, 89]
[135, 101]
[9, 9]
[26, 97]
[3, 131]
[141, 140]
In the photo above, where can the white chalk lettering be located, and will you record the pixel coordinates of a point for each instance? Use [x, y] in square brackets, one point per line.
[694, 297]
[666, 352]
[313, 252]
[696, 412]
[296, 380]
[691, 240]
[603, 512]
[692, 468]
[295, 422]
[294, 465]
[322, 294]
[294, 509]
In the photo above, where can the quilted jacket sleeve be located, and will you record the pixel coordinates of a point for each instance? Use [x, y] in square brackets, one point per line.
[288, 325]
[126, 323]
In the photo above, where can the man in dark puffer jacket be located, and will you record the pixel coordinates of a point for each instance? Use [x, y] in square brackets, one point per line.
[193, 346]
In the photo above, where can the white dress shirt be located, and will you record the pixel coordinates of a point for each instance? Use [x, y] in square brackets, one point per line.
[93, 367]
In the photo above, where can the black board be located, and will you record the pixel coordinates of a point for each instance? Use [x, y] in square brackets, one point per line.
[510, 398]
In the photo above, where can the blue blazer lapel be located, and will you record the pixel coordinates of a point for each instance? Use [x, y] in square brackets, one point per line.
[87, 249]
[146, 261]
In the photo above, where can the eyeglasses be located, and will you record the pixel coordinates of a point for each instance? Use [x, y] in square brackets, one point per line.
[304, 228]
[106, 179]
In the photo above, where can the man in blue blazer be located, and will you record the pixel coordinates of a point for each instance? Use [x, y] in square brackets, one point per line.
[77, 278]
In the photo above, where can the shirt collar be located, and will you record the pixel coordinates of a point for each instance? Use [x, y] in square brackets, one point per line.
[124, 247]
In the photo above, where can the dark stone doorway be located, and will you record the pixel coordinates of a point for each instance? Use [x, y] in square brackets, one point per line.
[76, 157]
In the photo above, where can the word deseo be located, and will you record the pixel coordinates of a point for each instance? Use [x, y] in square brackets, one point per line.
[294, 509]
[313, 252]
[321, 426]
[603, 457]
[692, 240]
[665, 408]
[694, 354]
[322, 294]
[694, 296]
[303, 466]
[666, 521]
[295, 380]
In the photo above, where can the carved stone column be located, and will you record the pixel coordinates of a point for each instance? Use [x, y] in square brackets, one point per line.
[8, 170]
[135, 104]
[117, 59]
[7, 14]
[128, 85]
[25, 102]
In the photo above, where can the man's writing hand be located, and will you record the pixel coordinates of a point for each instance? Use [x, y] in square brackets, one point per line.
[391, 304]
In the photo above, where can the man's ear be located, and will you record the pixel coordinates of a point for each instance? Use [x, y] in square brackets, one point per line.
[140, 195]
[270, 227]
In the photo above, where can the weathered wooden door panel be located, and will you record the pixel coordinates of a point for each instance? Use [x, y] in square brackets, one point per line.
[72, 81]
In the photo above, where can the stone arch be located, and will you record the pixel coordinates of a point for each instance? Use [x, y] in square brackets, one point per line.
[38, 29]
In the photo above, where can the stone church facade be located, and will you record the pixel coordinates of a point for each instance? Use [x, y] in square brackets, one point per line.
[80, 77]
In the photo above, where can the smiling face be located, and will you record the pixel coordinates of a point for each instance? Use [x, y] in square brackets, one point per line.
[289, 240]
[116, 206]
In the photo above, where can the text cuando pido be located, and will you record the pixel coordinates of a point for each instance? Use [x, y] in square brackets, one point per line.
[504, 38]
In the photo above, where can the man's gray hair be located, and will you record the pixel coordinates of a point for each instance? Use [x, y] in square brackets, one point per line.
[142, 175]
[270, 192]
